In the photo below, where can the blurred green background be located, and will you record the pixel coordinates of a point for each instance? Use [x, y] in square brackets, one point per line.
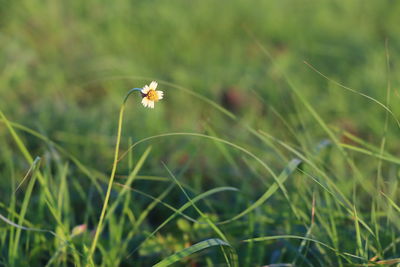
[65, 67]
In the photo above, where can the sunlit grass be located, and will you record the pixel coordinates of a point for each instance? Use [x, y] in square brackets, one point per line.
[253, 158]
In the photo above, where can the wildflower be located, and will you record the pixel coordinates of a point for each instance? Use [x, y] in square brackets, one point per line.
[151, 95]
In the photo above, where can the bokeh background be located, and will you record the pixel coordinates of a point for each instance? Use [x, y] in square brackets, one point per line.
[65, 67]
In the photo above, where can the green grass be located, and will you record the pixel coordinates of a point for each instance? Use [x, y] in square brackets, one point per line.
[276, 143]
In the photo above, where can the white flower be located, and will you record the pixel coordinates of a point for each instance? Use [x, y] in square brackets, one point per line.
[151, 95]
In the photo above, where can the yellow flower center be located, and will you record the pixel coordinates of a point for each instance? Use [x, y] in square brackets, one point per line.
[152, 95]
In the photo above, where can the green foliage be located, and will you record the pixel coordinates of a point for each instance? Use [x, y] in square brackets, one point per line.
[253, 158]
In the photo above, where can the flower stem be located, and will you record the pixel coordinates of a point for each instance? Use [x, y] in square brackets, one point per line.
[111, 181]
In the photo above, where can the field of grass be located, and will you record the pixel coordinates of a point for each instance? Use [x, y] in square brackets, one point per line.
[276, 143]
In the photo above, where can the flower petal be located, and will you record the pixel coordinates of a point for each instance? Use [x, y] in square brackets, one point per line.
[153, 85]
[151, 104]
[145, 89]
[145, 102]
[160, 94]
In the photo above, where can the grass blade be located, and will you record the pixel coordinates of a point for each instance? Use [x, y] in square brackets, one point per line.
[289, 169]
[191, 250]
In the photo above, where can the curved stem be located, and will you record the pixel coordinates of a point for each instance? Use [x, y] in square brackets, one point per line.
[129, 93]
[111, 181]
